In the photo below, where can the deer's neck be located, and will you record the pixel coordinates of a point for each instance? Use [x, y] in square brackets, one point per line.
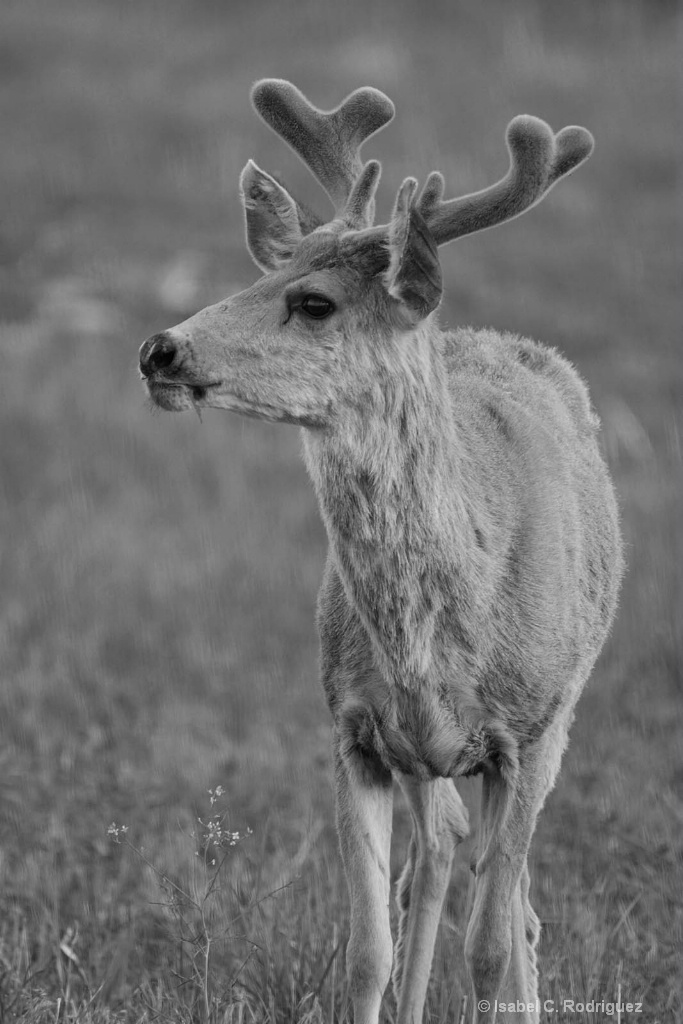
[388, 479]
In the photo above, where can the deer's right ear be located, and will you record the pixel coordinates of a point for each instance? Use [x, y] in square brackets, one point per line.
[273, 228]
[413, 276]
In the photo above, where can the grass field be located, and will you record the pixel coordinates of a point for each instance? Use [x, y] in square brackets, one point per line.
[158, 575]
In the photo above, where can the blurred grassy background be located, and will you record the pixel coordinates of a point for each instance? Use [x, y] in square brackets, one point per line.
[158, 575]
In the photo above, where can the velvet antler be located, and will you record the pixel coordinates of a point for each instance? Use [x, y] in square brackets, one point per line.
[538, 158]
[329, 141]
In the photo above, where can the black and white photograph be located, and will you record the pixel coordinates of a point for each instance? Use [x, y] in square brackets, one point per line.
[340, 489]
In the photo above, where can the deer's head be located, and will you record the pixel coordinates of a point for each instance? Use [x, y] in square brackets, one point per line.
[337, 298]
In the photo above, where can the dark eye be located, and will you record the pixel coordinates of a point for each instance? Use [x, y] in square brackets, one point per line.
[316, 306]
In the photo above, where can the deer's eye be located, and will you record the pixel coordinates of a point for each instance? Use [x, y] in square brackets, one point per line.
[316, 306]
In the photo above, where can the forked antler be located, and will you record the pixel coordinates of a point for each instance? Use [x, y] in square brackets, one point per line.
[538, 158]
[329, 144]
[329, 141]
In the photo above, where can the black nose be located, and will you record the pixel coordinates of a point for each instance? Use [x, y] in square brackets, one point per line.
[157, 353]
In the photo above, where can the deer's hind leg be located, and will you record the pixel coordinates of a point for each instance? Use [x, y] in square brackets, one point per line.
[532, 933]
[439, 824]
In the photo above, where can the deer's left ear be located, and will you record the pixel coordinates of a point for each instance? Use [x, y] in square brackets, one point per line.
[413, 276]
[273, 228]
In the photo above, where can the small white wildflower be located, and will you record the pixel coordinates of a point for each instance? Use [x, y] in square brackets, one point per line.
[215, 794]
[116, 831]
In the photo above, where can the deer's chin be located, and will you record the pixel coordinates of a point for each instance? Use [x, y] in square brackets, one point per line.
[171, 397]
[273, 413]
[181, 397]
[176, 397]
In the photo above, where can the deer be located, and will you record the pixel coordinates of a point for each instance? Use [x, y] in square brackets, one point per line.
[474, 556]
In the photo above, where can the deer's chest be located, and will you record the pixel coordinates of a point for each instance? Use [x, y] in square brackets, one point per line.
[410, 605]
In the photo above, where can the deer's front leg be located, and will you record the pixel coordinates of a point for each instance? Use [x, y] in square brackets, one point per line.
[364, 806]
[502, 934]
[440, 822]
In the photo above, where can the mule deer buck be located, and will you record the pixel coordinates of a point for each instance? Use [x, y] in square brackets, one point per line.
[474, 553]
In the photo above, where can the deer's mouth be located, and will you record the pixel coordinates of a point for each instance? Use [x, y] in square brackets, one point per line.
[177, 396]
[180, 396]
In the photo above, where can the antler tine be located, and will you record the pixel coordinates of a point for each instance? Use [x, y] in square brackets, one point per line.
[538, 158]
[358, 207]
[327, 141]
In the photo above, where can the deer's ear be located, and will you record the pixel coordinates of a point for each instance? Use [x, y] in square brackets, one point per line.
[413, 276]
[273, 228]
